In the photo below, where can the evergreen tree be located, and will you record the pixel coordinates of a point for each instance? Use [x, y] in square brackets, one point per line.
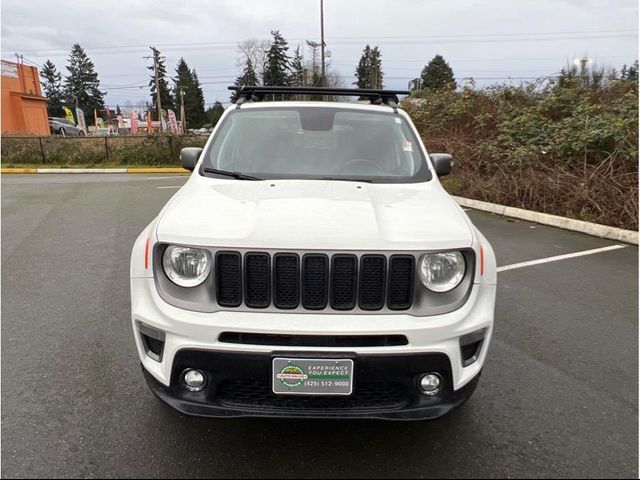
[82, 84]
[369, 72]
[52, 86]
[248, 78]
[165, 95]
[376, 69]
[632, 72]
[438, 74]
[118, 111]
[297, 69]
[214, 113]
[186, 83]
[277, 71]
[199, 97]
[363, 69]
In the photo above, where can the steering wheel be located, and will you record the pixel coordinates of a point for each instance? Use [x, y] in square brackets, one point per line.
[359, 163]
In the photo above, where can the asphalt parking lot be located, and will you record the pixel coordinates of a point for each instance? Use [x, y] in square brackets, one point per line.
[558, 396]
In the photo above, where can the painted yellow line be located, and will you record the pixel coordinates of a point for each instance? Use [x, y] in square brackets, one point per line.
[18, 170]
[157, 170]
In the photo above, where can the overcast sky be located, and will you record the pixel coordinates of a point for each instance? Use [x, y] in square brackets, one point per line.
[486, 39]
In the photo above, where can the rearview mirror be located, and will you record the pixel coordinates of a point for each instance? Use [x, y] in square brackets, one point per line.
[442, 163]
[189, 157]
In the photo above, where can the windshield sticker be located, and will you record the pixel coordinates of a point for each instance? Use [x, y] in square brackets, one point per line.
[398, 121]
[407, 146]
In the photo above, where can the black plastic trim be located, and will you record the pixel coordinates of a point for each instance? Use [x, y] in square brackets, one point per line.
[248, 302]
[407, 305]
[383, 296]
[332, 282]
[276, 301]
[224, 302]
[304, 284]
[330, 341]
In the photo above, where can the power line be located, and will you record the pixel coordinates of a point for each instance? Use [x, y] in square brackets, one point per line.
[467, 35]
[394, 39]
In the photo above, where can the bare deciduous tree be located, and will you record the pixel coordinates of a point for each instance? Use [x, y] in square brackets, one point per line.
[253, 49]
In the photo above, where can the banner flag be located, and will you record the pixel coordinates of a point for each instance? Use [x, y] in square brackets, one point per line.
[81, 122]
[69, 115]
[173, 124]
[134, 121]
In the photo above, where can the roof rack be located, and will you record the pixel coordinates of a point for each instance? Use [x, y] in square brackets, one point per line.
[377, 97]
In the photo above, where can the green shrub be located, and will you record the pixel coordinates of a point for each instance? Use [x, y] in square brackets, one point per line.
[565, 149]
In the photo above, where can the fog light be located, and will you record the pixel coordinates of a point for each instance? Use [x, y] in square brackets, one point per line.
[194, 380]
[430, 383]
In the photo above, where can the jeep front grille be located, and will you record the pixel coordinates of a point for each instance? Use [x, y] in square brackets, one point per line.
[315, 282]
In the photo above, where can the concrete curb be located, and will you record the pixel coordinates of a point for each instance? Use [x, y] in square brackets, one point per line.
[594, 229]
[95, 170]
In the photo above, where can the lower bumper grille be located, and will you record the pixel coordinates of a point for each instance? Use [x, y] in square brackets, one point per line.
[239, 385]
[251, 394]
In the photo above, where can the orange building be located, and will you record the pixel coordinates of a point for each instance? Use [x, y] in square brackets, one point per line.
[24, 109]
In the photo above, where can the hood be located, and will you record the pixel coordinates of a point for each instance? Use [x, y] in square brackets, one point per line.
[313, 214]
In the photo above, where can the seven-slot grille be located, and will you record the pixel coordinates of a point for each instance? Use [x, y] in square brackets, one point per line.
[314, 281]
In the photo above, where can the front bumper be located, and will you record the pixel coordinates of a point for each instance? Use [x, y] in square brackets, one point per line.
[433, 343]
[239, 385]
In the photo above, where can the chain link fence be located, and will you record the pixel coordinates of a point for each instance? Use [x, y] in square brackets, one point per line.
[113, 150]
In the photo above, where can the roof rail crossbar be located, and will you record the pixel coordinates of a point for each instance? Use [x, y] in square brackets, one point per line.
[256, 93]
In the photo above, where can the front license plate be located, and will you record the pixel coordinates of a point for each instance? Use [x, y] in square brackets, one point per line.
[306, 376]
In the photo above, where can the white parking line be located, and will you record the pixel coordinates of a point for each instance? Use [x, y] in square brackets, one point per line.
[171, 186]
[559, 257]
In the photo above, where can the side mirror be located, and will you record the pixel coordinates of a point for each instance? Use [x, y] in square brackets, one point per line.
[442, 163]
[189, 157]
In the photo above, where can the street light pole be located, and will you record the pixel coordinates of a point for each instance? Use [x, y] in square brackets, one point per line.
[323, 82]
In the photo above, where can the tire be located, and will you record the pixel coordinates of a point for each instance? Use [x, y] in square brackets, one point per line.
[81, 133]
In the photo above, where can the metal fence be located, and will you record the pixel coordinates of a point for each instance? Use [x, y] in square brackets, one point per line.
[119, 150]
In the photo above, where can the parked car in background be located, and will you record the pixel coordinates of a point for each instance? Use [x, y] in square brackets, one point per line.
[64, 127]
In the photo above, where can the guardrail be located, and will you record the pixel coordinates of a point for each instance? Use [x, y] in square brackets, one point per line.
[121, 150]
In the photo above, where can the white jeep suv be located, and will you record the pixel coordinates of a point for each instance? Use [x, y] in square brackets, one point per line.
[313, 266]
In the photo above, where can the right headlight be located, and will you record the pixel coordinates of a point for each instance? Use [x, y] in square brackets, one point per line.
[186, 266]
[443, 271]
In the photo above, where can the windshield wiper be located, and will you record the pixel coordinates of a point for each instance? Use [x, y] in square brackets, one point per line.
[347, 179]
[226, 173]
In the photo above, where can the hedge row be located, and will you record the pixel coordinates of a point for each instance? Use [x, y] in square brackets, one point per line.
[94, 151]
[565, 149]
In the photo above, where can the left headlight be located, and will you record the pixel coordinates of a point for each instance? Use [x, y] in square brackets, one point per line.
[443, 271]
[186, 266]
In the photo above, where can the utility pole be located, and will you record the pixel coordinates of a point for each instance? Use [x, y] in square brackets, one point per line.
[323, 81]
[314, 58]
[155, 57]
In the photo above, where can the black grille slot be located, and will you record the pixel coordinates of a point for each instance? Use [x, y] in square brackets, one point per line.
[335, 341]
[372, 282]
[229, 279]
[257, 280]
[401, 275]
[286, 281]
[344, 281]
[315, 281]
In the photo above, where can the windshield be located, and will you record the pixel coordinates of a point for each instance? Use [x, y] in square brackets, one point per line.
[317, 143]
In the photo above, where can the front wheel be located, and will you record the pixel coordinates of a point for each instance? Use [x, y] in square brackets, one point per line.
[81, 133]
